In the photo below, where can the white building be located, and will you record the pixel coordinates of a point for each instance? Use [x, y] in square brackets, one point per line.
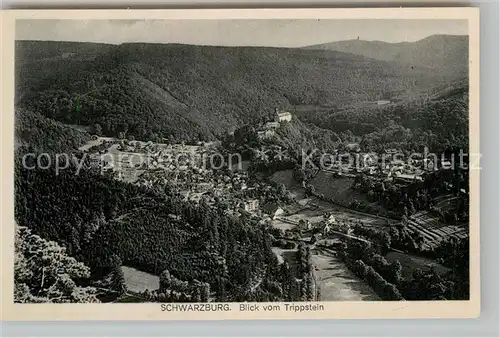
[382, 102]
[284, 117]
[328, 218]
[251, 205]
[263, 134]
[272, 125]
[408, 177]
[108, 166]
[273, 210]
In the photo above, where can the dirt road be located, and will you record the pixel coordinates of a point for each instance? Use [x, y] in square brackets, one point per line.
[336, 282]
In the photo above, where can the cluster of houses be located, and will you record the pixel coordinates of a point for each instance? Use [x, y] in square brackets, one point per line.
[268, 129]
[234, 188]
[136, 146]
[148, 163]
[324, 226]
[182, 167]
[392, 165]
[195, 183]
[411, 169]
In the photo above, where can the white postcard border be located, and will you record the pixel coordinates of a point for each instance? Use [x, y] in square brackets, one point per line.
[332, 310]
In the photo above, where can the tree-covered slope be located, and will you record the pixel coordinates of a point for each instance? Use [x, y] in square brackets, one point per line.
[42, 134]
[438, 121]
[97, 219]
[444, 53]
[190, 92]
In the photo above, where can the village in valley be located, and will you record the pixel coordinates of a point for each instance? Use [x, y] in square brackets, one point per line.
[293, 203]
[156, 168]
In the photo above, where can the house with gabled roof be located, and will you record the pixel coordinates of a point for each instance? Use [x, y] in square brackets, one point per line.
[273, 210]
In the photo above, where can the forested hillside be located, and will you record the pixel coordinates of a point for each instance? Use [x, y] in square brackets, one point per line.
[190, 92]
[299, 136]
[34, 131]
[437, 121]
[105, 223]
[446, 53]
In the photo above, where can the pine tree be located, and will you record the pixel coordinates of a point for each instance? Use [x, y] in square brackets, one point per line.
[204, 292]
[44, 273]
[165, 280]
[117, 277]
[310, 287]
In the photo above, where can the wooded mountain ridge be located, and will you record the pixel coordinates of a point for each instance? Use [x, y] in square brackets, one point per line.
[188, 92]
[448, 53]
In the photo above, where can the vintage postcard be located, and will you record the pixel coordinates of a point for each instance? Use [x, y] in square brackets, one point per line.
[240, 164]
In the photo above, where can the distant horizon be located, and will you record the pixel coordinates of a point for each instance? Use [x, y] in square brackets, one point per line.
[191, 44]
[236, 33]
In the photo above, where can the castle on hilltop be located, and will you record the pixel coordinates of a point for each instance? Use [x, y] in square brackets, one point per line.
[281, 116]
[268, 128]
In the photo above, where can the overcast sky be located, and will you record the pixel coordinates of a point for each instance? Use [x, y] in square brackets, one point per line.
[279, 33]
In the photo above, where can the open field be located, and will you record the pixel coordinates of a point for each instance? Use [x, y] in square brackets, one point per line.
[336, 282]
[92, 143]
[346, 214]
[126, 162]
[339, 189]
[411, 262]
[445, 202]
[340, 214]
[283, 225]
[139, 281]
[285, 177]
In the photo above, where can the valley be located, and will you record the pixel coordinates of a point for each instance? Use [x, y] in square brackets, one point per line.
[155, 208]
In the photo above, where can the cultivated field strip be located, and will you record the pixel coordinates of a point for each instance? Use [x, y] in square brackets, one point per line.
[433, 230]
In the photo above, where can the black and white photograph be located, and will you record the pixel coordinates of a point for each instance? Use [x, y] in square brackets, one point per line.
[205, 162]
